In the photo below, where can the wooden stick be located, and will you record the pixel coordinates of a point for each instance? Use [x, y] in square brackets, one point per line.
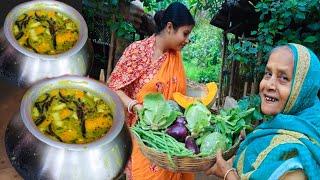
[102, 76]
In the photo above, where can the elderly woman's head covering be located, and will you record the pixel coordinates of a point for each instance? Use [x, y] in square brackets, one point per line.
[291, 139]
[306, 80]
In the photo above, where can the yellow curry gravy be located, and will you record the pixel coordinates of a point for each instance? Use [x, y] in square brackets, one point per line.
[45, 32]
[72, 116]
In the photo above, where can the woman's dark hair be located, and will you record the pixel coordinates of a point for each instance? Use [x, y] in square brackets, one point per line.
[176, 13]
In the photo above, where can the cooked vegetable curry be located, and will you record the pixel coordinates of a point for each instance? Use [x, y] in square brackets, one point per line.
[45, 31]
[72, 116]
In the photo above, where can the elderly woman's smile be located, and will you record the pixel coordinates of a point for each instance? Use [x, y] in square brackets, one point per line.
[276, 83]
[270, 99]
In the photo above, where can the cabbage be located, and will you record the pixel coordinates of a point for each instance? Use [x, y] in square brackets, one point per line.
[156, 113]
[213, 142]
[198, 118]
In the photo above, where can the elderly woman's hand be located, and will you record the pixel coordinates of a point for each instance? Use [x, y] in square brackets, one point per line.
[222, 168]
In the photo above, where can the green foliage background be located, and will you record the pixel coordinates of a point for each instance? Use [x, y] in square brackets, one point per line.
[281, 22]
[202, 57]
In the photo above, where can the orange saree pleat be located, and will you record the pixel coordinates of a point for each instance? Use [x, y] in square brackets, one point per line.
[169, 79]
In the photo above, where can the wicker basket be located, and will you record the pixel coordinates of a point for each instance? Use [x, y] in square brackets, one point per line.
[182, 164]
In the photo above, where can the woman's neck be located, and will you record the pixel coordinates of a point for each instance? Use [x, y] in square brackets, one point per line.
[160, 44]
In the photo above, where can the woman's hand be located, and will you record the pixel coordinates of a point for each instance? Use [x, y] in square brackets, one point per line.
[137, 108]
[131, 104]
[221, 167]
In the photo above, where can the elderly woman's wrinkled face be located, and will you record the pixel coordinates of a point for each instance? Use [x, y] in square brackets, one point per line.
[276, 84]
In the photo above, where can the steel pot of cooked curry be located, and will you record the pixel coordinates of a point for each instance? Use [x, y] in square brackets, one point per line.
[43, 39]
[70, 127]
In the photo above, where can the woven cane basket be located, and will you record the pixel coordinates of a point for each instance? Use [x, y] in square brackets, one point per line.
[185, 164]
[182, 164]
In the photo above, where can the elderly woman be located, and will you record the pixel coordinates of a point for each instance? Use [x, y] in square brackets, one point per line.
[288, 145]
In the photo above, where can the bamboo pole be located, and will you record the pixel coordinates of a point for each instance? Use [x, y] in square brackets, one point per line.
[111, 50]
[224, 48]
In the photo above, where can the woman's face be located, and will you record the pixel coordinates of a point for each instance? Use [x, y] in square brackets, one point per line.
[276, 84]
[178, 38]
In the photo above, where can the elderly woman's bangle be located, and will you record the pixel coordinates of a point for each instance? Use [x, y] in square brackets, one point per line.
[131, 104]
[231, 169]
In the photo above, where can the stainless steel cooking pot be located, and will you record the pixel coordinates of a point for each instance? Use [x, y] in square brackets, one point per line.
[23, 67]
[35, 156]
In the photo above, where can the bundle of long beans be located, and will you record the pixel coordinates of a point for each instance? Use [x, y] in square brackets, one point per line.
[162, 142]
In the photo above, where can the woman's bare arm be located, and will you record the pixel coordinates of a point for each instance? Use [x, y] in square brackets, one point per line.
[127, 100]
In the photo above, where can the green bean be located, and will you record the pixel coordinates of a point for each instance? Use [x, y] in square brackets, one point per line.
[158, 144]
[155, 138]
[165, 143]
[172, 143]
[150, 143]
[176, 144]
[162, 142]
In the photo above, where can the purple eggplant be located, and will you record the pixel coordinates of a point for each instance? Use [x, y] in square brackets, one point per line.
[178, 130]
[192, 145]
[181, 120]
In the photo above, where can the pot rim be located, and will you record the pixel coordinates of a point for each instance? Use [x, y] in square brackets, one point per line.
[79, 82]
[52, 5]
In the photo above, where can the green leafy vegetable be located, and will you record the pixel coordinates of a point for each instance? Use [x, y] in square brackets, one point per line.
[231, 121]
[156, 113]
[253, 101]
[198, 118]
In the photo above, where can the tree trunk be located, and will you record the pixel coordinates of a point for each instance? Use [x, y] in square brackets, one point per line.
[233, 74]
[245, 89]
[231, 78]
[224, 48]
[253, 86]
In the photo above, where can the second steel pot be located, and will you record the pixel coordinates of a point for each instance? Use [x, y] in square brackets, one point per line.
[36, 156]
[23, 67]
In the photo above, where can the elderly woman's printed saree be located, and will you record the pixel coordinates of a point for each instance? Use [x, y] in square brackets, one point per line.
[291, 140]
